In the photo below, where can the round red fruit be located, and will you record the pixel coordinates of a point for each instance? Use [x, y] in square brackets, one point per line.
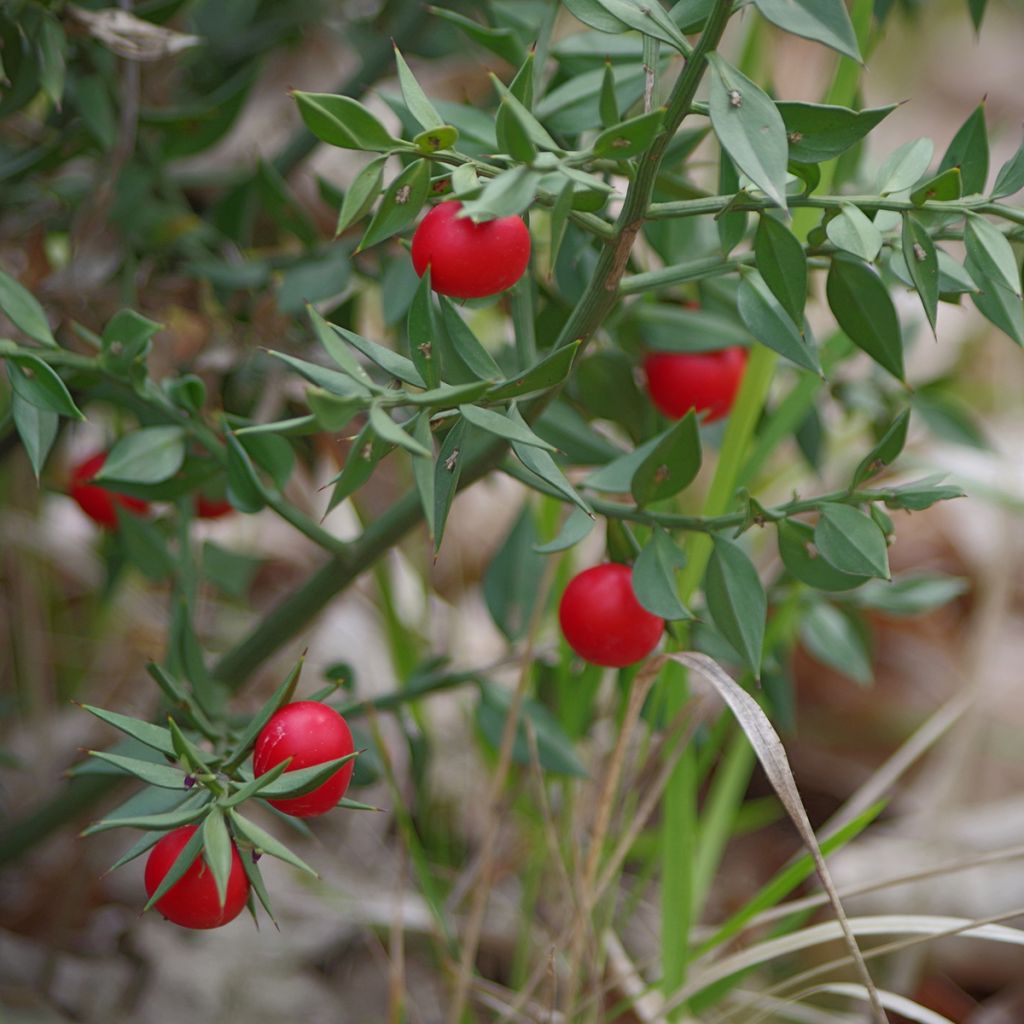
[192, 901]
[212, 508]
[704, 381]
[309, 733]
[98, 503]
[602, 620]
[467, 260]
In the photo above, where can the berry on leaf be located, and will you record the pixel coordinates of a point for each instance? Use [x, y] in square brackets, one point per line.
[310, 733]
[704, 381]
[192, 901]
[602, 620]
[467, 260]
[99, 503]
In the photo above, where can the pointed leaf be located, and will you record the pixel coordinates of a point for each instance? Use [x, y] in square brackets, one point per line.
[300, 781]
[20, 305]
[576, 527]
[885, 452]
[654, 577]
[783, 265]
[1010, 178]
[37, 429]
[629, 138]
[969, 152]
[476, 358]
[146, 456]
[185, 859]
[264, 842]
[402, 201]
[817, 132]
[548, 373]
[541, 463]
[162, 822]
[162, 775]
[863, 309]
[391, 362]
[423, 470]
[217, 847]
[990, 252]
[749, 127]
[823, 21]
[796, 548]
[855, 232]
[830, 637]
[672, 464]
[447, 471]
[617, 476]
[330, 337]
[764, 317]
[997, 303]
[344, 122]
[503, 426]
[736, 600]
[281, 696]
[905, 166]
[415, 98]
[422, 331]
[388, 430]
[38, 384]
[153, 736]
[851, 541]
[361, 195]
[923, 264]
[513, 134]
[943, 188]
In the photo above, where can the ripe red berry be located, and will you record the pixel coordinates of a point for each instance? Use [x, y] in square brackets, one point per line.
[98, 503]
[212, 508]
[309, 733]
[192, 900]
[602, 620]
[467, 260]
[705, 381]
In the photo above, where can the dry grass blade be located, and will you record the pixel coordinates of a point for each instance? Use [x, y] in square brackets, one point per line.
[784, 1009]
[770, 752]
[891, 1001]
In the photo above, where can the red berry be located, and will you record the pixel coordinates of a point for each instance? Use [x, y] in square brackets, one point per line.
[212, 508]
[467, 260]
[309, 733]
[602, 620]
[705, 381]
[192, 900]
[98, 503]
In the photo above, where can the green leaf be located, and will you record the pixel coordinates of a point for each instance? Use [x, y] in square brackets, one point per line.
[997, 303]
[503, 426]
[855, 232]
[344, 122]
[1010, 178]
[521, 86]
[422, 331]
[832, 639]
[402, 201]
[388, 430]
[142, 845]
[366, 451]
[885, 452]
[783, 265]
[446, 396]
[576, 527]
[617, 476]
[911, 594]
[615, 16]
[732, 225]
[505, 195]
[24, 311]
[609, 103]
[502, 41]
[803, 562]
[823, 21]
[126, 336]
[217, 849]
[477, 360]
[512, 581]
[991, 253]
[736, 600]
[436, 139]
[392, 362]
[905, 166]
[555, 749]
[145, 546]
[654, 577]
[513, 134]
[264, 842]
[37, 429]
[229, 571]
[253, 787]
[851, 541]
[922, 261]
[185, 859]
[162, 775]
[551, 371]
[362, 194]
[672, 464]
[630, 137]
[764, 317]
[52, 46]
[537, 135]
[331, 337]
[540, 462]
[863, 309]
[38, 384]
[162, 822]
[977, 10]
[749, 127]
[447, 471]
[943, 188]
[969, 152]
[146, 456]
[922, 494]
[301, 781]
[245, 491]
[423, 470]
[817, 132]
[415, 98]
[281, 696]
[153, 736]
